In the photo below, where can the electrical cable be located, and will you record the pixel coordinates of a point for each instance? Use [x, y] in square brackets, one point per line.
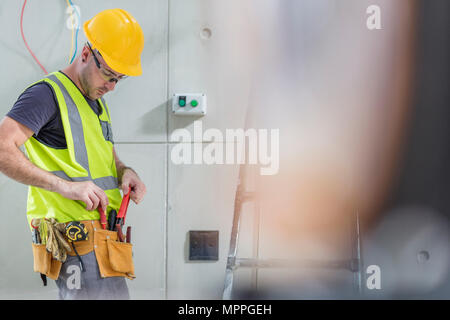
[78, 28]
[25, 41]
[73, 32]
[83, 268]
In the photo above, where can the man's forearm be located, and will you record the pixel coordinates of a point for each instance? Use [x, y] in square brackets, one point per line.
[120, 166]
[121, 169]
[14, 164]
[129, 180]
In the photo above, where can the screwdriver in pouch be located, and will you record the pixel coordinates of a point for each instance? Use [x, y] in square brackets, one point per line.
[112, 219]
[128, 234]
[34, 236]
[35, 232]
[119, 232]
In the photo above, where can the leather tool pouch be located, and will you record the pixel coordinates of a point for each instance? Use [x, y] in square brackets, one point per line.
[115, 258]
[44, 263]
[121, 256]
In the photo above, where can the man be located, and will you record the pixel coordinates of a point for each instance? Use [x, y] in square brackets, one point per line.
[72, 169]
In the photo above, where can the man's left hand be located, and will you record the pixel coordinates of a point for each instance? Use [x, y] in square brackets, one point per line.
[130, 180]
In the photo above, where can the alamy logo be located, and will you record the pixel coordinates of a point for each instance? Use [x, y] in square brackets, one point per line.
[374, 280]
[374, 20]
[231, 150]
[74, 280]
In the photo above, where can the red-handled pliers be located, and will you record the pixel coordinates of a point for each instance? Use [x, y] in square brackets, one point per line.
[123, 209]
[120, 215]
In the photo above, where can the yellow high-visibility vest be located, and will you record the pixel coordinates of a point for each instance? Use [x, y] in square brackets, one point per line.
[88, 156]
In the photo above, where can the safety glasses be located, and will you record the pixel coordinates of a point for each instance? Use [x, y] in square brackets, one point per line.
[106, 74]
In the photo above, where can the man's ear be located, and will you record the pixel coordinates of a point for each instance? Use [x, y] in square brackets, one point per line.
[84, 53]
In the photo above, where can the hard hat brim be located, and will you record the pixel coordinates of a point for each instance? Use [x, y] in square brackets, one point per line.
[134, 70]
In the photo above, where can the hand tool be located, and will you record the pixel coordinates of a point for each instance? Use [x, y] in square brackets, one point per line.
[129, 234]
[119, 232]
[102, 217]
[112, 219]
[123, 209]
[34, 236]
[35, 232]
[35, 223]
[77, 231]
[120, 220]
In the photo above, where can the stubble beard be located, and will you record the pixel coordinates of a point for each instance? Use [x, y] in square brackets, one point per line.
[86, 85]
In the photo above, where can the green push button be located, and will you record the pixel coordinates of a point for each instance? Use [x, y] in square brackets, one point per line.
[182, 101]
[194, 103]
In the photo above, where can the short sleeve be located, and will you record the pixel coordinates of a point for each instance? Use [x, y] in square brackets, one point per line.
[35, 107]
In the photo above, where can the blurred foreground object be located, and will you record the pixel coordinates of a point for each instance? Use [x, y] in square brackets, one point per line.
[343, 98]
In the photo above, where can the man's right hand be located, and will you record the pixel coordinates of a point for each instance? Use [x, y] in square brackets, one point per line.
[86, 191]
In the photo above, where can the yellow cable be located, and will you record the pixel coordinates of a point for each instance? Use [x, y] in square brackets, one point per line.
[71, 19]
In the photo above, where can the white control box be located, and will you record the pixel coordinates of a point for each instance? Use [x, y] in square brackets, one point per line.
[189, 104]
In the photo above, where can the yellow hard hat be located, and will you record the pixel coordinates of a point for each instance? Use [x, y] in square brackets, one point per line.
[119, 39]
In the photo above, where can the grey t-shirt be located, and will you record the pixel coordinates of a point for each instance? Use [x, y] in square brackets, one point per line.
[37, 108]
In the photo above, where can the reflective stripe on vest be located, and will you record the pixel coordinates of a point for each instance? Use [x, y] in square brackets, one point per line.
[105, 183]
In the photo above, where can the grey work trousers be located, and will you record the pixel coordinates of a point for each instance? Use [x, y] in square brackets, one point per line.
[75, 284]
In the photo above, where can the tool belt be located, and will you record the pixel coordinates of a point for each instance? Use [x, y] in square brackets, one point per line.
[115, 258]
